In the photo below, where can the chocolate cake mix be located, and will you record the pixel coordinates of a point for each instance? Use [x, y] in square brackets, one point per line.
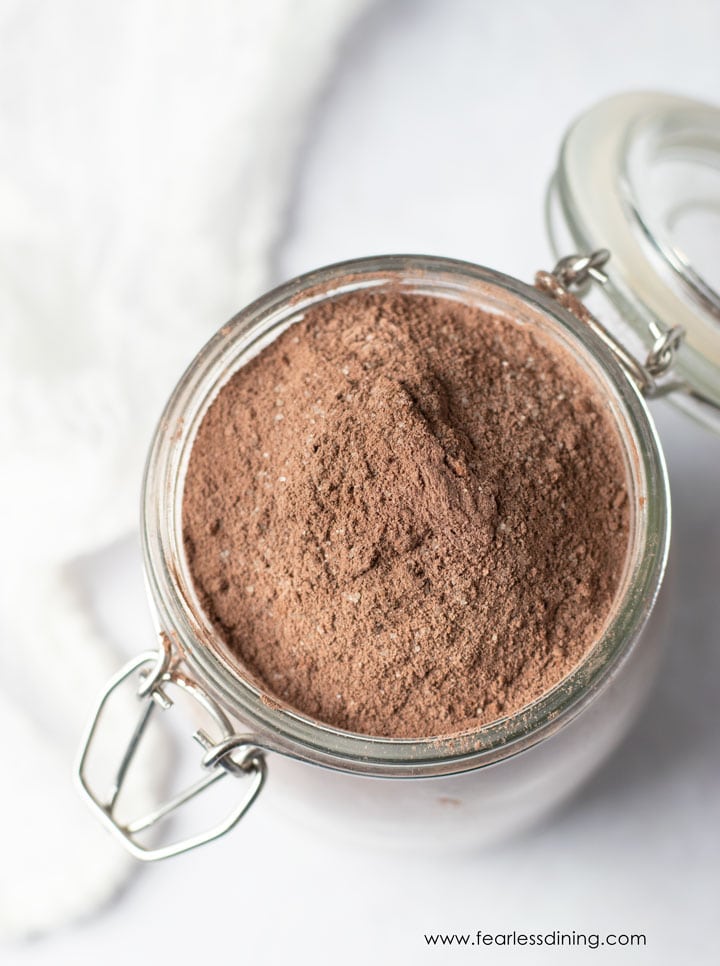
[405, 516]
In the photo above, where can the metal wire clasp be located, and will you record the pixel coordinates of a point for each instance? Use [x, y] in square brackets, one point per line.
[230, 754]
[576, 272]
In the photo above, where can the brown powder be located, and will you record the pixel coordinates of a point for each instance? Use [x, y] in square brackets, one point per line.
[407, 517]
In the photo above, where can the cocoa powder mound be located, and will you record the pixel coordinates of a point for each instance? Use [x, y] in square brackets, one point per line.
[407, 517]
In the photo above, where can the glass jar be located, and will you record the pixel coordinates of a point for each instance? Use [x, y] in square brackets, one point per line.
[470, 787]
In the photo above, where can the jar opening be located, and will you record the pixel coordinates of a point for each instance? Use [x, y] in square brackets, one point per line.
[179, 612]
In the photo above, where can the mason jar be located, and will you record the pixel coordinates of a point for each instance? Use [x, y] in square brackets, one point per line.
[479, 785]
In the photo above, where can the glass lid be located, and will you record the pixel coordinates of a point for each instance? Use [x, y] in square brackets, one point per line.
[639, 174]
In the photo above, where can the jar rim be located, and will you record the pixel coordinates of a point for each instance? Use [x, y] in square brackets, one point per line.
[284, 730]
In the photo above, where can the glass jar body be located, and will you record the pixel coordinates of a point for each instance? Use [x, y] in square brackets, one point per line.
[473, 786]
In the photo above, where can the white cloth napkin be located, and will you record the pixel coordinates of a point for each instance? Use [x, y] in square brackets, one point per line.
[146, 150]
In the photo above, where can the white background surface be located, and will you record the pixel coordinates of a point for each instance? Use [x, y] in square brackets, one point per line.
[437, 135]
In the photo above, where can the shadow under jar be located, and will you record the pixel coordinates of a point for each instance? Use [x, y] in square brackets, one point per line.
[484, 783]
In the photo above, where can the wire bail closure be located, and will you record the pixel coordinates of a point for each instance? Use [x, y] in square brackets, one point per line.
[577, 272]
[232, 754]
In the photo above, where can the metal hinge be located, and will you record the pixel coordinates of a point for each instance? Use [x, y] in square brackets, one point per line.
[228, 754]
[574, 273]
